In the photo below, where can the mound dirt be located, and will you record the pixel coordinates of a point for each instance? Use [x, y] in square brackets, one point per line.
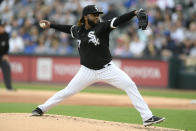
[26, 122]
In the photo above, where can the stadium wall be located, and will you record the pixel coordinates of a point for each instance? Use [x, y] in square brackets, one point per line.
[58, 69]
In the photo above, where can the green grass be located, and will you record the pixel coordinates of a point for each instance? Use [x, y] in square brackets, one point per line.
[108, 90]
[179, 119]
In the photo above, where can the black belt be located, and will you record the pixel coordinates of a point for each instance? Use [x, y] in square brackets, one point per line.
[104, 66]
[99, 68]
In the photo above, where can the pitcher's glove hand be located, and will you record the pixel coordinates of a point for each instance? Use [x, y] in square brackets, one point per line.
[142, 19]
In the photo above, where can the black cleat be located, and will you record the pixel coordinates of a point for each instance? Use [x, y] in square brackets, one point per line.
[37, 112]
[153, 120]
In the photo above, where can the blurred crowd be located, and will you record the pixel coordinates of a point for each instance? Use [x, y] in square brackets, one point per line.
[171, 30]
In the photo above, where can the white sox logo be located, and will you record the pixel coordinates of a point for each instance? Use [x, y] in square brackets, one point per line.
[93, 38]
[96, 8]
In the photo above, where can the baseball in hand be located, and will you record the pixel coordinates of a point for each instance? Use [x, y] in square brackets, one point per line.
[42, 25]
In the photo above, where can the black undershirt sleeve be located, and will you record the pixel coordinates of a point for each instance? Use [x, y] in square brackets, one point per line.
[124, 18]
[62, 28]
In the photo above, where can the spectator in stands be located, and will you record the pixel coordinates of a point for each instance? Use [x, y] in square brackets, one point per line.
[69, 18]
[163, 4]
[34, 34]
[151, 49]
[185, 48]
[54, 47]
[72, 5]
[66, 47]
[122, 46]
[159, 39]
[16, 43]
[136, 46]
[112, 12]
[177, 32]
[6, 7]
[191, 33]
[168, 46]
[193, 50]
[41, 48]
[157, 16]
[30, 46]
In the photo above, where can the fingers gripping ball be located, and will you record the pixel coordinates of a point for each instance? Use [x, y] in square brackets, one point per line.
[42, 25]
[142, 19]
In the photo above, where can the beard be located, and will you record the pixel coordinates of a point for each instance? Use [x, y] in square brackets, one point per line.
[92, 23]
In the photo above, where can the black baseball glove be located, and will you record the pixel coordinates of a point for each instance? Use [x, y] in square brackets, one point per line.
[142, 19]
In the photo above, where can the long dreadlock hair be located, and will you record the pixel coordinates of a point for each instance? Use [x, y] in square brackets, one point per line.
[81, 21]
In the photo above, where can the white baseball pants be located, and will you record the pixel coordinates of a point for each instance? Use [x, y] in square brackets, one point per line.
[111, 75]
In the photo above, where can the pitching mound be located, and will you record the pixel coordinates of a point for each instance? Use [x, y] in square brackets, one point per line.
[26, 122]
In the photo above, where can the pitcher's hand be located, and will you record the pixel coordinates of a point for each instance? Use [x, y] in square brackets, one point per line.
[44, 24]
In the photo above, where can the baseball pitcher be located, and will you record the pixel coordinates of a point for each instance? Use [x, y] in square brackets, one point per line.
[96, 60]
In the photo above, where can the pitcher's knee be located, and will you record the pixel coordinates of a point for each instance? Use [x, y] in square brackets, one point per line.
[128, 85]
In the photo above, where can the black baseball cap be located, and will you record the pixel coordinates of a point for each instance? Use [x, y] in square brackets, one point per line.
[91, 9]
